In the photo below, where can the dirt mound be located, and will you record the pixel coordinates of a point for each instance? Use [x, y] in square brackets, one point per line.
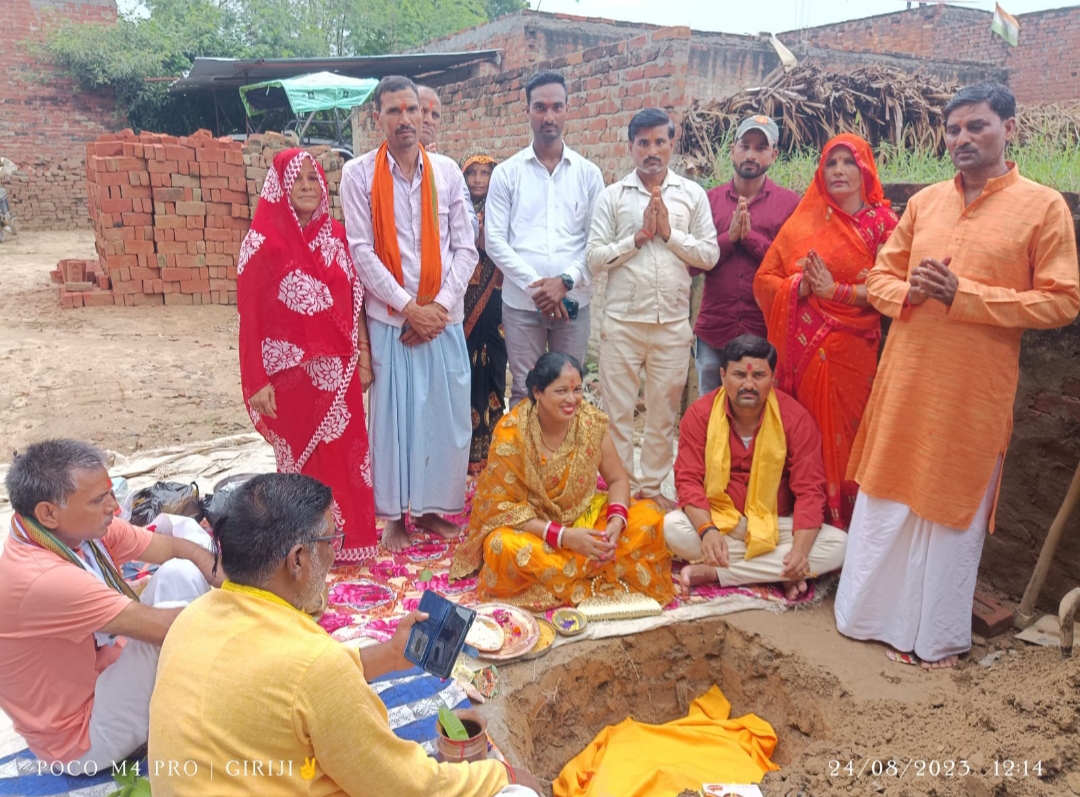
[1004, 729]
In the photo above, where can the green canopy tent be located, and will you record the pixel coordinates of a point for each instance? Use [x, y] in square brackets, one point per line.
[307, 95]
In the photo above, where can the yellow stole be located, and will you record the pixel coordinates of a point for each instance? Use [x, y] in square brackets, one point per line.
[766, 471]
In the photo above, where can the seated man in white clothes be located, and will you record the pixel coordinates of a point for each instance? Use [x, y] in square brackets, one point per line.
[78, 649]
[751, 482]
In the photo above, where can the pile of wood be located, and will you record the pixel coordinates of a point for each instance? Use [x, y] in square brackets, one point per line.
[1057, 124]
[811, 105]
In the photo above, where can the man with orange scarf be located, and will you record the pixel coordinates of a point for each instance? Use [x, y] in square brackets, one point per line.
[751, 482]
[413, 245]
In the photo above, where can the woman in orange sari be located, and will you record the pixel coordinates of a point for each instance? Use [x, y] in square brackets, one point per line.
[541, 534]
[811, 287]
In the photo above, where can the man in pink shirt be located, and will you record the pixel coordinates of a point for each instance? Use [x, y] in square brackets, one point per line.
[78, 648]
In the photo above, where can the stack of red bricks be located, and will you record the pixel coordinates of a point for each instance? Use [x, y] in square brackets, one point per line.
[259, 151]
[81, 284]
[169, 214]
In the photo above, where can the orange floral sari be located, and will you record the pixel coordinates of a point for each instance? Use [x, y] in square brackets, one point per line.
[828, 350]
[518, 485]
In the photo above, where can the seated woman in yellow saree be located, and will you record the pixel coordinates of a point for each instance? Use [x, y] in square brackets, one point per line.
[541, 534]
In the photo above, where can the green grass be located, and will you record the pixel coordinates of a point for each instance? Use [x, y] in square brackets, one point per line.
[1040, 160]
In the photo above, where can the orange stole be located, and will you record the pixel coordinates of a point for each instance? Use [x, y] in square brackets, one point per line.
[385, 225]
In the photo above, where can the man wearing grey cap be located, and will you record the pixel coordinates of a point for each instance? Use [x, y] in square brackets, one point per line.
[748, 212]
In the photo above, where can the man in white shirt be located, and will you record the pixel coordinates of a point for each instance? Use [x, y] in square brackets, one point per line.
[536, 225]
[415, 273]
[648, 230]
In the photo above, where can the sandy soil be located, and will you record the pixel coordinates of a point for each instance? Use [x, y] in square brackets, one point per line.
[125, 378]
[980, 731]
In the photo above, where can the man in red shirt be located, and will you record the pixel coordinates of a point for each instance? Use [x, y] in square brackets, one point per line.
[751, 482]
[748, 213]
[78, 649]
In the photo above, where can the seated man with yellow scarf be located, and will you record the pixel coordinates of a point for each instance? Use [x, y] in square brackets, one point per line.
[751, 482]
[543, 533]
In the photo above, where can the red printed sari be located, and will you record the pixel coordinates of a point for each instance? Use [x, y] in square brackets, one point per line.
[300, 304]
[828, 350]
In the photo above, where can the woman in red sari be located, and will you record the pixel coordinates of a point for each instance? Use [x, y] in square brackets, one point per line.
[811, 287]
[305, 360]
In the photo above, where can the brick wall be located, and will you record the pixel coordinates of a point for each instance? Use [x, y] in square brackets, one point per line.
[529, 37]
[1046, 65]
[661, 67]
[169, 214]
[607, 85]
[1043, 68]
[44, 122]
[935, 31]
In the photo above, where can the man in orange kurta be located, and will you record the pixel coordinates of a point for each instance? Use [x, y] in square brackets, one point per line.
[973, 263]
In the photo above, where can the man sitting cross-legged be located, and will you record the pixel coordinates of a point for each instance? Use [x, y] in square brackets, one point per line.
[78, 648]
[751, 482]
[248, 677]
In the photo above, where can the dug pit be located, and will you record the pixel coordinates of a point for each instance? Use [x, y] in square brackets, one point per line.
[1007, 729]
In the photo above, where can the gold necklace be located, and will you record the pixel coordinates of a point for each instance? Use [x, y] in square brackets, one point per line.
[546, 444]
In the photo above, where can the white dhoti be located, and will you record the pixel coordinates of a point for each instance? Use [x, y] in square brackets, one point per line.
[826, 554]
[120, 716]
[908, 582]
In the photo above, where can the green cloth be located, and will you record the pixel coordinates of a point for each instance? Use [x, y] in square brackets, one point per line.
[320, 91]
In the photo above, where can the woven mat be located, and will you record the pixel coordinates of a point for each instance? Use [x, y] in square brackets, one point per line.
[367, 602]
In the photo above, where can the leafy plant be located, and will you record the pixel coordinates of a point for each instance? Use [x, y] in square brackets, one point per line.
[135, 57]
[1040, 158]
[452, 726]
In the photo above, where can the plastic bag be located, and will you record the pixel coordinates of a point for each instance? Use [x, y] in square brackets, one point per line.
[215, 505]
[171, 497]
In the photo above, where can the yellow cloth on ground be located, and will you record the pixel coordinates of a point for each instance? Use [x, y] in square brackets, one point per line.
[520, 484]
[766, 472]
[632, 759]
[245, 681]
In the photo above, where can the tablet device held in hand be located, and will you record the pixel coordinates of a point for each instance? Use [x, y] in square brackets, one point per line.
[435, 643]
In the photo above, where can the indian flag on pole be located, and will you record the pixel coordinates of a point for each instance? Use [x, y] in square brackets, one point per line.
[1005, 25]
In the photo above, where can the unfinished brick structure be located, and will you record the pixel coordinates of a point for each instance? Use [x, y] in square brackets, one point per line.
[623, 69]
[1044, 68]
[169, 215]
[44, 122]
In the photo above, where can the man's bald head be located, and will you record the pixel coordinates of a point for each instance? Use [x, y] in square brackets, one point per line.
[431, 105]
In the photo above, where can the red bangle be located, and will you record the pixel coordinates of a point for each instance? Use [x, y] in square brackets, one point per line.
[703, 529]
[617, 509]
[552, 534]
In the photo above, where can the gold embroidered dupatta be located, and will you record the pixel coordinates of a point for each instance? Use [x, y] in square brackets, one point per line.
[518, 484]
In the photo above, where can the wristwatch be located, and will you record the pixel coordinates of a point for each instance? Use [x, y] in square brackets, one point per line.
[568, 281]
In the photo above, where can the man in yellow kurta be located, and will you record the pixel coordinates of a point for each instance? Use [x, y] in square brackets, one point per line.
[974, 262]
[253, 698]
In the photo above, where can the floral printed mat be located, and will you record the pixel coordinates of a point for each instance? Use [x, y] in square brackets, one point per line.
[368, 601]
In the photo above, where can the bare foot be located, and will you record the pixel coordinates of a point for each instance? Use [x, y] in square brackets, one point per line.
[693, 575]
[395, 538]
[793, 589]
[946, 663]
[438, 525]
[661, 500]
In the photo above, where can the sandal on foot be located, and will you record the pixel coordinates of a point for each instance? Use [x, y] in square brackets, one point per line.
[901, 658]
